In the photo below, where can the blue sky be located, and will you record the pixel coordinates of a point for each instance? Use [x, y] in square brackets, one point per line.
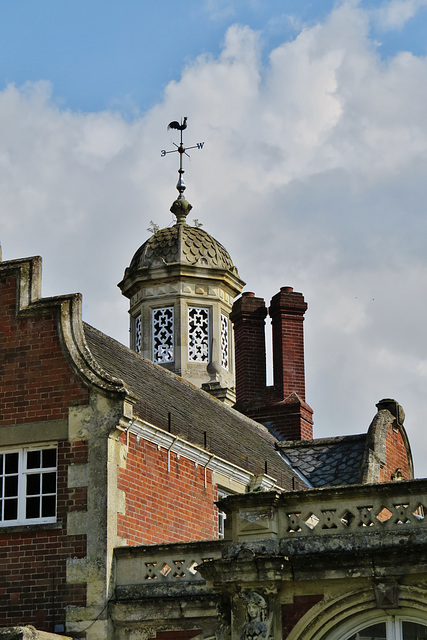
[313, 173]
[120, 54]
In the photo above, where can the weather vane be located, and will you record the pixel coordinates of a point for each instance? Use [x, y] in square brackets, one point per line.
[180, 185]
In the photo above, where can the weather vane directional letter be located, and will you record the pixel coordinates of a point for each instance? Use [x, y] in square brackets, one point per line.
[181, 150]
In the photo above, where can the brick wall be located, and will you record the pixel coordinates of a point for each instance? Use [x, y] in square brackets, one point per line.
[292, 418]
[33, 561]
[396, 456]
[36, 380]
[248, 317]
[293, 612]
[162, 506]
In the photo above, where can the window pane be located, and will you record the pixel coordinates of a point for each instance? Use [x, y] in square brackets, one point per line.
[49, 458]
[48, 506]
[414, 631]
[33, 460]
[375, 632]
[34, 500]
[11, 486]
[33, 484]
[33, 508]
[11, 465]
[49, 483]
[10, 509]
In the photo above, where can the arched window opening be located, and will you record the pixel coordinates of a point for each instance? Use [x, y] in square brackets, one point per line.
[392, 628]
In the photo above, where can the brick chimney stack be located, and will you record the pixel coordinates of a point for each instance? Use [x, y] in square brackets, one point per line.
[287, 310]
[248, 317]
[282, 408]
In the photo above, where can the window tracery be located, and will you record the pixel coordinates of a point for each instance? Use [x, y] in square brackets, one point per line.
[137, 334]
[198, 334]
[163, 334]
[224, 341]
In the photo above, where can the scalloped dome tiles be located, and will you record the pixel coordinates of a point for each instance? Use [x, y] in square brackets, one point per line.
[182, 244]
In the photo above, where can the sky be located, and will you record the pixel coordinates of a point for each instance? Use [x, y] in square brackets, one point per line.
[313, 172]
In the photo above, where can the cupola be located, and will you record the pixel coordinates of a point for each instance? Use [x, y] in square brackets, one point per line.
[181, 284]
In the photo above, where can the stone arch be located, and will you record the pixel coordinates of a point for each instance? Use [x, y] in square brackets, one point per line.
[345, 611]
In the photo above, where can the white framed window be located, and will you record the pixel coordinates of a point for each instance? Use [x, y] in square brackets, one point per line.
[221, 515]
[28, 485]
[390, 627]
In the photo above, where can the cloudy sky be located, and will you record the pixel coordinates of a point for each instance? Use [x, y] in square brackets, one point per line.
[313, 173]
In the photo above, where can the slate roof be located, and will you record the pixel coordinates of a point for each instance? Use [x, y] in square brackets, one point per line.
[326, 461]
[194, 414]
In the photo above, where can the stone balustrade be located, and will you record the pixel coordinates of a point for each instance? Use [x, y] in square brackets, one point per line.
[393, 506]
[273, 523]
[164, 565]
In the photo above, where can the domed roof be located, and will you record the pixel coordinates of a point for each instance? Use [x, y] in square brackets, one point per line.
[182, 244]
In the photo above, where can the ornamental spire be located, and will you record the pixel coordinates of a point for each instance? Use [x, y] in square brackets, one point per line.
[180, 208]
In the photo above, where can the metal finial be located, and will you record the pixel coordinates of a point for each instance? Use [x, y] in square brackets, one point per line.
[180, 185]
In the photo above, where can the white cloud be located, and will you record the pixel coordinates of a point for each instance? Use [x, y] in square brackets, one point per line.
[313, 175]
[395, 14]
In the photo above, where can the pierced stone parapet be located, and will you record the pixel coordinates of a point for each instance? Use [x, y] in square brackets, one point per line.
[164, 566]
[362, 509]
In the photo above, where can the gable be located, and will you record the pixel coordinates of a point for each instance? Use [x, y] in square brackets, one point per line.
[37, 381]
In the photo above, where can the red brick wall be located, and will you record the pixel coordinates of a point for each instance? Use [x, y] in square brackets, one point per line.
[292, 420]
[36, 380]
[162, 506]
[396, 456]
[292, 613]
[33, 588]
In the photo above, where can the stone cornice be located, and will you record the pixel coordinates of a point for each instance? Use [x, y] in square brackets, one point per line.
[180, 447]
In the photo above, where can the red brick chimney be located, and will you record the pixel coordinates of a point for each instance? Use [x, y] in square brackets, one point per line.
[287, 310]
[248, 317]
[282, 408]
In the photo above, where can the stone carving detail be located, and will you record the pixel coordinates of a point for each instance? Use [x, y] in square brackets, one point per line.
[168, 568]
[163, 330]
[258, 622]
[137, 334]
[198, 334]
[183, 244]
[224, 341]
[387, 514]
[387, 595]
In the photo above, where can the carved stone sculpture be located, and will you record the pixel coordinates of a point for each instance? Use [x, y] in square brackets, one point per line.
[257, 625]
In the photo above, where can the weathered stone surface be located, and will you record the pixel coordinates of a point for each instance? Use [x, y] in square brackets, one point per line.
[28, 633]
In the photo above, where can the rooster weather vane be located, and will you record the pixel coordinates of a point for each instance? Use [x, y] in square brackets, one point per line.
[180, 185]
